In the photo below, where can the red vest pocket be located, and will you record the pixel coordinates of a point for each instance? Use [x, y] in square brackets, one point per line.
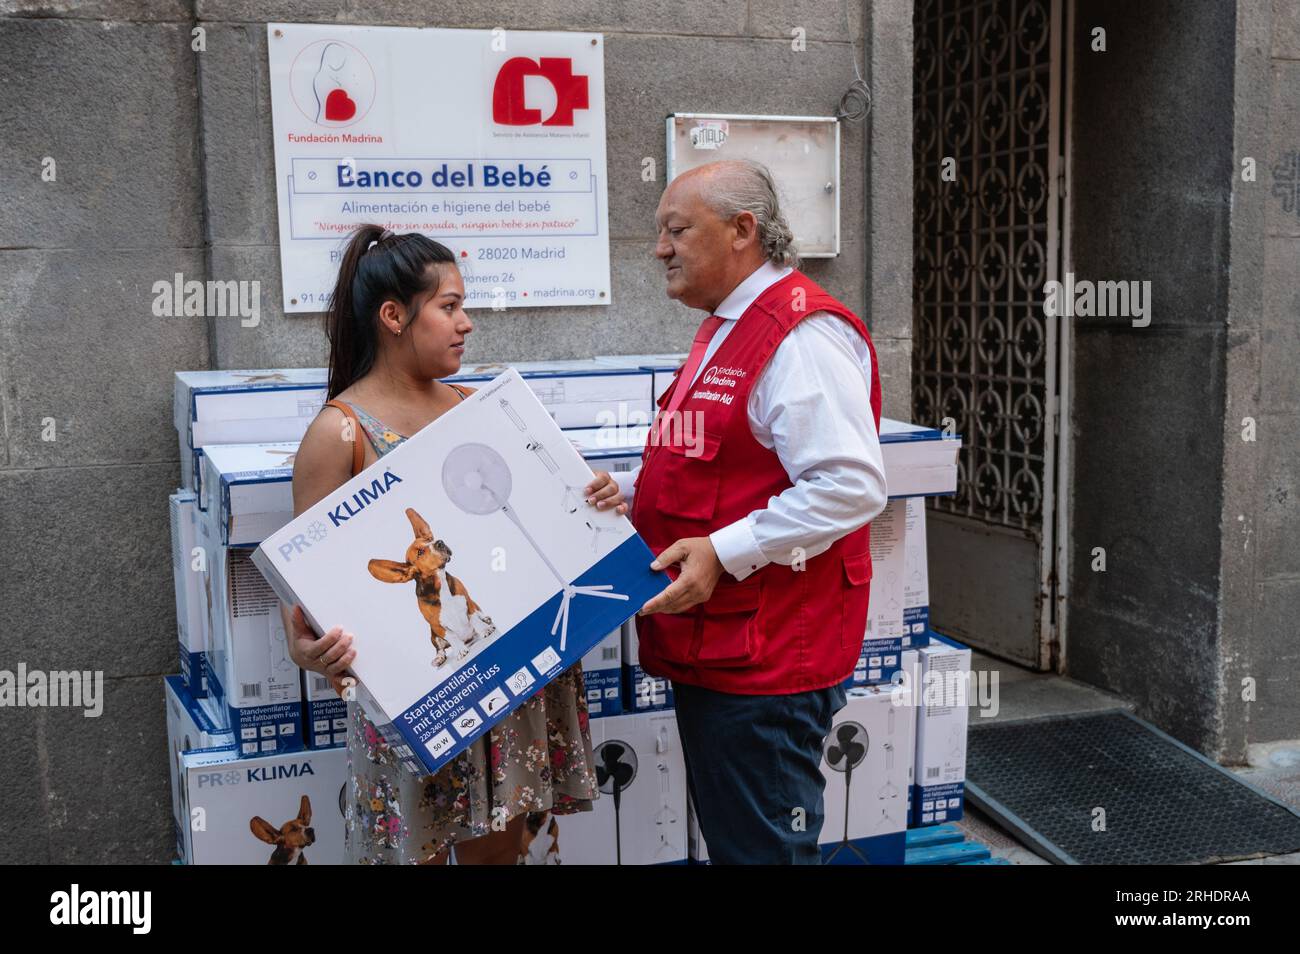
[688, 485]
[857, 598]
[728, 632]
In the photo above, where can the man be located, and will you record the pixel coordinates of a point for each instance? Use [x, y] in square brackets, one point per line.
[758, 481]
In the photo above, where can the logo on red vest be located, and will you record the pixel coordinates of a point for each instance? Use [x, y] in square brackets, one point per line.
[722, 377]
[509, 106]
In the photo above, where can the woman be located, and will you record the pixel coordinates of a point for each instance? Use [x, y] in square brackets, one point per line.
[396, 325]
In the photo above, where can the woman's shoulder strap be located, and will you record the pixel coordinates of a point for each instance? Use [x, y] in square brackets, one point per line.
[358, 449]
[463, 391]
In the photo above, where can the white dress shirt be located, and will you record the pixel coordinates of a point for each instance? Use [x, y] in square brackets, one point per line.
[812, 405]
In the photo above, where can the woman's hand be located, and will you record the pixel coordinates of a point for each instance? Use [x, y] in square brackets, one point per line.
[330, 655]
[603, 492]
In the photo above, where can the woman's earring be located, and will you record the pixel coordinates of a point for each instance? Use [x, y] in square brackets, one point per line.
[398, 332]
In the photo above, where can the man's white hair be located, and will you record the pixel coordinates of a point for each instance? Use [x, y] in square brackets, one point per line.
[742, 185]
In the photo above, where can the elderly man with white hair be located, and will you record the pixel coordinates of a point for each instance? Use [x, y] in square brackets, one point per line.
[758, 482]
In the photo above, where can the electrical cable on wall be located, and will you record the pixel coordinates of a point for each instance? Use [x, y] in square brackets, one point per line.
[855, 104]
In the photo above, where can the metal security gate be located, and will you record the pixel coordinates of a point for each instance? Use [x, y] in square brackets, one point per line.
[988, 164]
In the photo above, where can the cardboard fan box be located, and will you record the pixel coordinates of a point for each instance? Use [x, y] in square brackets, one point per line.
[469, 567]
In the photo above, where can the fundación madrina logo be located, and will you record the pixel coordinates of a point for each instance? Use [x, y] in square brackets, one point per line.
[332, 83]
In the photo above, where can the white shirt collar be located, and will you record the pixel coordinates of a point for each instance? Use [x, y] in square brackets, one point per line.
[743, 295]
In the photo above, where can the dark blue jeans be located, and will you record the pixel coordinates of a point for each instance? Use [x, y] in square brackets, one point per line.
[754, 767]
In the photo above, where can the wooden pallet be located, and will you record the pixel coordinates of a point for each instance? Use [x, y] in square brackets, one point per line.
[946, 845]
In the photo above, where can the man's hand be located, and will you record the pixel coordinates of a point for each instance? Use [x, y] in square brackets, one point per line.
[694, 584]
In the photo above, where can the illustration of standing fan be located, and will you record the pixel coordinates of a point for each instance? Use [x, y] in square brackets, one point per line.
[570, 494]
[889, 790]
[844, 753]
[477, 480]
[615, 769]
[279, 647]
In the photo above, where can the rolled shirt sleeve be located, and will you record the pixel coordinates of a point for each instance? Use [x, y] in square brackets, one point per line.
[625, 479]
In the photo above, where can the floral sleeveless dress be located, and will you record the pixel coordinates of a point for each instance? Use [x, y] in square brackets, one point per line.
[537, 759]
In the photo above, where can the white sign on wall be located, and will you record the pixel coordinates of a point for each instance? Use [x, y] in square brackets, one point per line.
[490, 141]
[802, 153]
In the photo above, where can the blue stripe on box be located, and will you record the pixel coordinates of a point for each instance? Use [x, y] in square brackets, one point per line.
[604, 691]
[248, 725]
[194, 672]
[323, 710]
[591, 619]
[907, 437]
[593, 372]
[643, 692]
[946, 791]
[916, 623]
[199, 390]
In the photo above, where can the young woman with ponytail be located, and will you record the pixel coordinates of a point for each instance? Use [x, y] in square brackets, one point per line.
[396, 326]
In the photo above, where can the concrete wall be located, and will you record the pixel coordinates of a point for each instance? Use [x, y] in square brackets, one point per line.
[84, 517]
[164, 164]
[705, 65]
[1199, 526]
[1150, 192]
[1260, 519]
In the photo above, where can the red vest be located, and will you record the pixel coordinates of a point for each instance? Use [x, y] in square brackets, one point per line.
[780, 630]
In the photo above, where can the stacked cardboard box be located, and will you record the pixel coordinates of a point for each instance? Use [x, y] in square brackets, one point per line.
[578, 393]
[868, 764]
[236, 711]
[640, 817]
[237, 433]
[944, 694]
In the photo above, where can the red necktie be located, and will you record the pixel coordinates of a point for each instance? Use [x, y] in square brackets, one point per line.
[686, 376]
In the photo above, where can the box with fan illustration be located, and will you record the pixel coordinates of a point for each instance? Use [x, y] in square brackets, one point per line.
[867, 760]
[642, 692]
[916, 576]
[640, 816]
[187, 582]
[919, 461]
[939, 786]
[662, 367]
[602, 675]
[885, 640]
[188, 727]
[697, 851]
[251, 674]
[578, 392]
[610, 448]
[242, 407]
[281, 809]
[468, 566]
[247, 490]
[206, 553]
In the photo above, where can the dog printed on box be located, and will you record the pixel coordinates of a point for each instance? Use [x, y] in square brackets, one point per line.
[540, 843]
[290, 838]
[453, 616]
